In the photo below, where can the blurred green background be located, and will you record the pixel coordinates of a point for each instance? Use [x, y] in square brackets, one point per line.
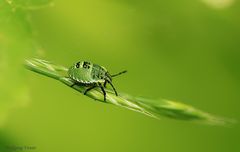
[185, 50]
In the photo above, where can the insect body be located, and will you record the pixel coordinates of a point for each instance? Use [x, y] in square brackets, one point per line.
[92, 75]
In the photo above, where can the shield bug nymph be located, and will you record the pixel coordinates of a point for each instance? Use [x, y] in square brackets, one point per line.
[91, 75]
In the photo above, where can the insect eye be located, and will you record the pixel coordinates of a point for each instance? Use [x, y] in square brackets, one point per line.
[77, 65]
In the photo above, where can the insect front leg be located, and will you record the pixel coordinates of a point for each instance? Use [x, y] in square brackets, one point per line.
[104, 92]
[105, 83]
[113, 88]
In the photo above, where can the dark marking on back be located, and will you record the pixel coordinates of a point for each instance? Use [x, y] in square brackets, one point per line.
[77, 65]
[86, 65]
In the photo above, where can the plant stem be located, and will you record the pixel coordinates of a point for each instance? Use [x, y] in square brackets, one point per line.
[152, 108]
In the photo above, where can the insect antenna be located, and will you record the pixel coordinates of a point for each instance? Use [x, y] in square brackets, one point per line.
[119, 73]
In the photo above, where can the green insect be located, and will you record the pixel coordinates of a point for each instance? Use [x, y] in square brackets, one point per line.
[91, 75]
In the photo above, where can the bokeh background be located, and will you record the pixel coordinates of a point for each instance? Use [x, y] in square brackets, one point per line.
[186, 50]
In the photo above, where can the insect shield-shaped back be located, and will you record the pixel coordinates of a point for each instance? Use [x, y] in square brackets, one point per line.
[81, 72]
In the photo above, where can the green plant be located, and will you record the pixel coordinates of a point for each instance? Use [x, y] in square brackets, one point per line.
[152, 108]
[16, 43]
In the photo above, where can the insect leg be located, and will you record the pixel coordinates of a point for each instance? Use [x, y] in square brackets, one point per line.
[88, 89]
[113, 88]
[105, 83]
[104, 92]
[73, 85]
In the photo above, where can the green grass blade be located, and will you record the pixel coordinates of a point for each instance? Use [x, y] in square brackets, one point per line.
[152, 108]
